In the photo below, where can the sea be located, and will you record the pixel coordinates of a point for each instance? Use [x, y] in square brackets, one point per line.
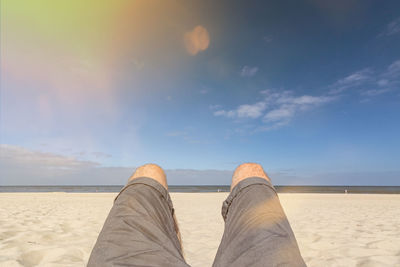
[207, 188]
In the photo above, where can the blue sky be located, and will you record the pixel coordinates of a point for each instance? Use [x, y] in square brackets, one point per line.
[309, 89]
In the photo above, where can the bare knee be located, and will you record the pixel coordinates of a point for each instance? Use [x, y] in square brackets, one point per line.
[247, 170]
[153, 171]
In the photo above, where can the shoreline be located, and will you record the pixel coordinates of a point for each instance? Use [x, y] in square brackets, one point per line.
[207, 188]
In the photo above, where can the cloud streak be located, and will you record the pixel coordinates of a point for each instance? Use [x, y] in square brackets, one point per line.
[286, 106]
[369, 82]
[244, 111]
[277, 108]
[393, 70]
[20, 155]
[353, 80]
[374, 92]
[21, 166]
[248, 71]
[392, 28]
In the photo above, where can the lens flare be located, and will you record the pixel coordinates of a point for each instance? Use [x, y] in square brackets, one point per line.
[197, 40]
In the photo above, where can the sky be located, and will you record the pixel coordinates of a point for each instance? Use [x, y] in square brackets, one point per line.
[90, 90]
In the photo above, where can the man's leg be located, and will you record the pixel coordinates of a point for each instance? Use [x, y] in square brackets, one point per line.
[140, 229]
[257, 232]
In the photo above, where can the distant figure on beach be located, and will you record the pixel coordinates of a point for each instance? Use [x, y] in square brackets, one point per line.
[141, 228]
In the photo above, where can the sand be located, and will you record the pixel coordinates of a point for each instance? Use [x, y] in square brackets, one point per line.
[60, 229]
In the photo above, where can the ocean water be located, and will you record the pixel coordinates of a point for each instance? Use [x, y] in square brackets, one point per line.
[208, 188]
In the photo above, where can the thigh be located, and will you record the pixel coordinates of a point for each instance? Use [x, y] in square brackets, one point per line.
[140, 229]
[257, 232]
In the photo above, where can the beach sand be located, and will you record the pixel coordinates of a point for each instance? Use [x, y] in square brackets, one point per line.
[60, 229]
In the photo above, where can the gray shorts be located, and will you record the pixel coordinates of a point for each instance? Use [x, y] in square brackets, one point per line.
[141, 231]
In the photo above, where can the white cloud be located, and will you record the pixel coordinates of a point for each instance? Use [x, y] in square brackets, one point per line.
[177, 133]
[358, 76]
[351, 81]
[21, 166]
[374, 92]
[251, 111]
[392, 28]
[101, 155]
[366, 81]
[22, 155]
[277, 108]
[243, 111]
[284, 112]
[248, 71]
[288, 106]
[393, 70]
[305, 100]
[213, 107]
[272, 126]
[383, 82]
[224, 113]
